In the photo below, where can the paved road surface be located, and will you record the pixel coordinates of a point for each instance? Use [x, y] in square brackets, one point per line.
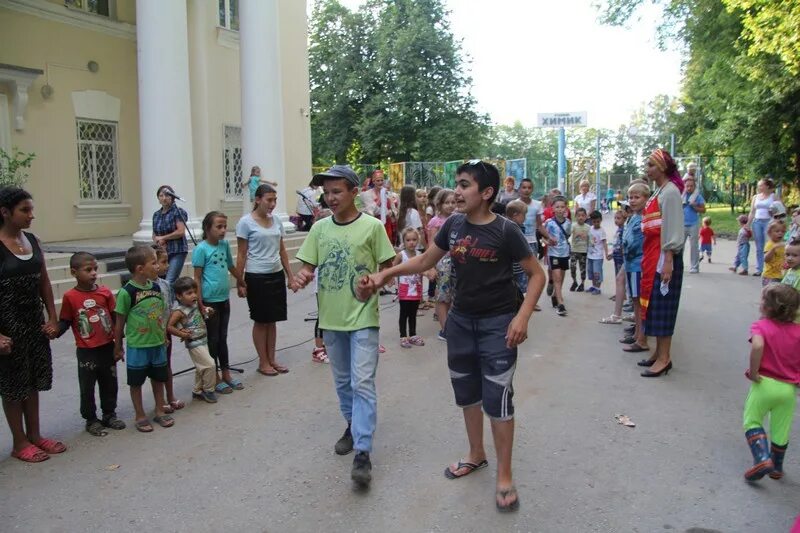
[262, 459]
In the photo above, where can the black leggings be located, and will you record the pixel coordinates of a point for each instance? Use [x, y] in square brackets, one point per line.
[217, 327]
[408, 313]
[431, 290]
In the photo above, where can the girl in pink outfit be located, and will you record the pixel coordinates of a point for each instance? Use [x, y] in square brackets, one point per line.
[409, 291]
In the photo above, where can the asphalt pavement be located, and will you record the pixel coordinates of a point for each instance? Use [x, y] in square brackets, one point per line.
[262, 459]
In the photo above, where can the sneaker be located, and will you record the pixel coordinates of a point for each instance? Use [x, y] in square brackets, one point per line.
[573, 286]
[554, 301]
[344, 445]
[628, 308]
[732, 269]
[209, 397]
[562, 311]
[580, 288]
[362, 469]
[416, 340]
[743, 273]
[700, 260]
[629, 318]
[404, 343]
[550, 288]
[111, 421]
[441, 336]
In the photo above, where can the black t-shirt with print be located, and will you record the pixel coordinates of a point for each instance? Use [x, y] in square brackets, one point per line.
[482, 257]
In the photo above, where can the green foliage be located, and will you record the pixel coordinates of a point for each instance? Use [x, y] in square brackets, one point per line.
[740, 90]
[389, 76]
[13, 167]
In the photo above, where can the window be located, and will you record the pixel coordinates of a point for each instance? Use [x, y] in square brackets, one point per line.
[97, 161]
[232, 162]
[229, 14]
[97, 7]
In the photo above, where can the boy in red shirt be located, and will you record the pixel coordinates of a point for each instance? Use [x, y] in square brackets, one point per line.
[88, 308]
[707, 236]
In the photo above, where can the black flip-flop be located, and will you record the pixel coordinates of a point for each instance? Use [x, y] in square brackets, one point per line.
[513, 506]
[471, 467]
[635, 348]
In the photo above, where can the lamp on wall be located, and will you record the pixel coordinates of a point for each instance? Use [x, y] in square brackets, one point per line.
[47, 91]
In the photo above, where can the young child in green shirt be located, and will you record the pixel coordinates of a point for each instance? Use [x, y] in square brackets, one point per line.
[140, 315]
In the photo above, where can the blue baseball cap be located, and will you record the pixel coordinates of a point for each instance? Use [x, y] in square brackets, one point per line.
[337, 172]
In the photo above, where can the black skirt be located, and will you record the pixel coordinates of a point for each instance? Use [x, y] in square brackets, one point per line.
[266, 296]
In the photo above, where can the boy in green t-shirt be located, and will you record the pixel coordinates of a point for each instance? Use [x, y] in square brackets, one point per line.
[140, 314]
[343, 248]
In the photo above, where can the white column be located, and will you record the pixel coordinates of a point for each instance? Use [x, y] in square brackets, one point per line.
[262, 101]
[165, 120]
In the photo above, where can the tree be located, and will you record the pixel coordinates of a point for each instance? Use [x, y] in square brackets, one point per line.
[392, 78]
[740, 89]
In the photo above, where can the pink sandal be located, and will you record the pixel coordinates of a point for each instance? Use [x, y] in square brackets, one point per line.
[51, 446]
[320, 355]
[31, 454]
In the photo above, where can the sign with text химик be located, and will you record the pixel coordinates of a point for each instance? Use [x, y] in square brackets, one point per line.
[562, 120]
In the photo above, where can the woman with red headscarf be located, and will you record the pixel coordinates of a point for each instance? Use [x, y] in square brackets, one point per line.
[662, 259]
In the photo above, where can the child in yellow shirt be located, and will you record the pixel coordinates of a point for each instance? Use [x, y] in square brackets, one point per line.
[774, 252]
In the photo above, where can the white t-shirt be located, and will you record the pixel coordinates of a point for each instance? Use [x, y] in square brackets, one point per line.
[412, 219]
[304, 206]
[263, 244]
[585, 201]
[534, 211]
[596, 238]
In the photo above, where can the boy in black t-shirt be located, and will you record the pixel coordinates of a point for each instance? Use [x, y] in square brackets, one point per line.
[487, 322]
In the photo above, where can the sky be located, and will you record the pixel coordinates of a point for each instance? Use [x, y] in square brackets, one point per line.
[545, 56]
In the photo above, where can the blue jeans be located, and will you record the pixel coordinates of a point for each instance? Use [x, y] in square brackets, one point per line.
[175, 266]
[354, 361]
[521, 280]
[595, 271]
[760, 236]
[741, 256]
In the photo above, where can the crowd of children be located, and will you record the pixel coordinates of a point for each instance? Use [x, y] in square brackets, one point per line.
[138, 324]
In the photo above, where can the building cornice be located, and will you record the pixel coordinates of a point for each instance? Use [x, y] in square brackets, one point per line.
[72, 17]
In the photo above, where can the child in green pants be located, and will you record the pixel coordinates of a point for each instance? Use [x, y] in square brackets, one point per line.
[775, 373]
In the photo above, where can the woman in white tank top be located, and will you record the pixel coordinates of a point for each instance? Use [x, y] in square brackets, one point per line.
[759, 218]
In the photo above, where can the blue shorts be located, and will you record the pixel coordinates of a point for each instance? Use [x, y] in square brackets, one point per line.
[705, 248]
[595, 270]
[143, 363]
[481, 366]
[633, 280]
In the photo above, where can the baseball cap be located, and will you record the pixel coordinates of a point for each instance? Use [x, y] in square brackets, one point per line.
[337, 172]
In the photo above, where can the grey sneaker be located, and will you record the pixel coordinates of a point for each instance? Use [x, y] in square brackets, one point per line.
[362, 469]
[345, 444]
[209, 397]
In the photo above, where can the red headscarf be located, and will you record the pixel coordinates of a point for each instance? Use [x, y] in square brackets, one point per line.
[666, 164]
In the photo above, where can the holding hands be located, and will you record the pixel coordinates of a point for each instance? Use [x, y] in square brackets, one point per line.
[50, 329]
[303, 277]
[369, 285]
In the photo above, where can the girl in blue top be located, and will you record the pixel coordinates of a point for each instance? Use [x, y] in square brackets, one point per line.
[255, 180]
[212, 261]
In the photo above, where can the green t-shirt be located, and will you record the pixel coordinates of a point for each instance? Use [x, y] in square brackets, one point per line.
[792, 277]
[143, 307]
[580, 238]
[343, 253]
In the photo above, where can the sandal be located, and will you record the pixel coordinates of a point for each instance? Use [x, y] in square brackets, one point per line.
[167, 409]
[223, 388]
[280, 368]
[144, 426]
[165, 421]
[613, 319]
[96, 429]
[177, 404]
[235, 384]
[113, 422]
[471, 467]
[51, 446]
[31, 454]
[509, 507]
[319, 355]
[262, 372]
[635, 348]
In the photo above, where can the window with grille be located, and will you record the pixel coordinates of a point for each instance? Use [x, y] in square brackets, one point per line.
[96, 7]
[229, 14]
[232, 162]
[97, 161]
